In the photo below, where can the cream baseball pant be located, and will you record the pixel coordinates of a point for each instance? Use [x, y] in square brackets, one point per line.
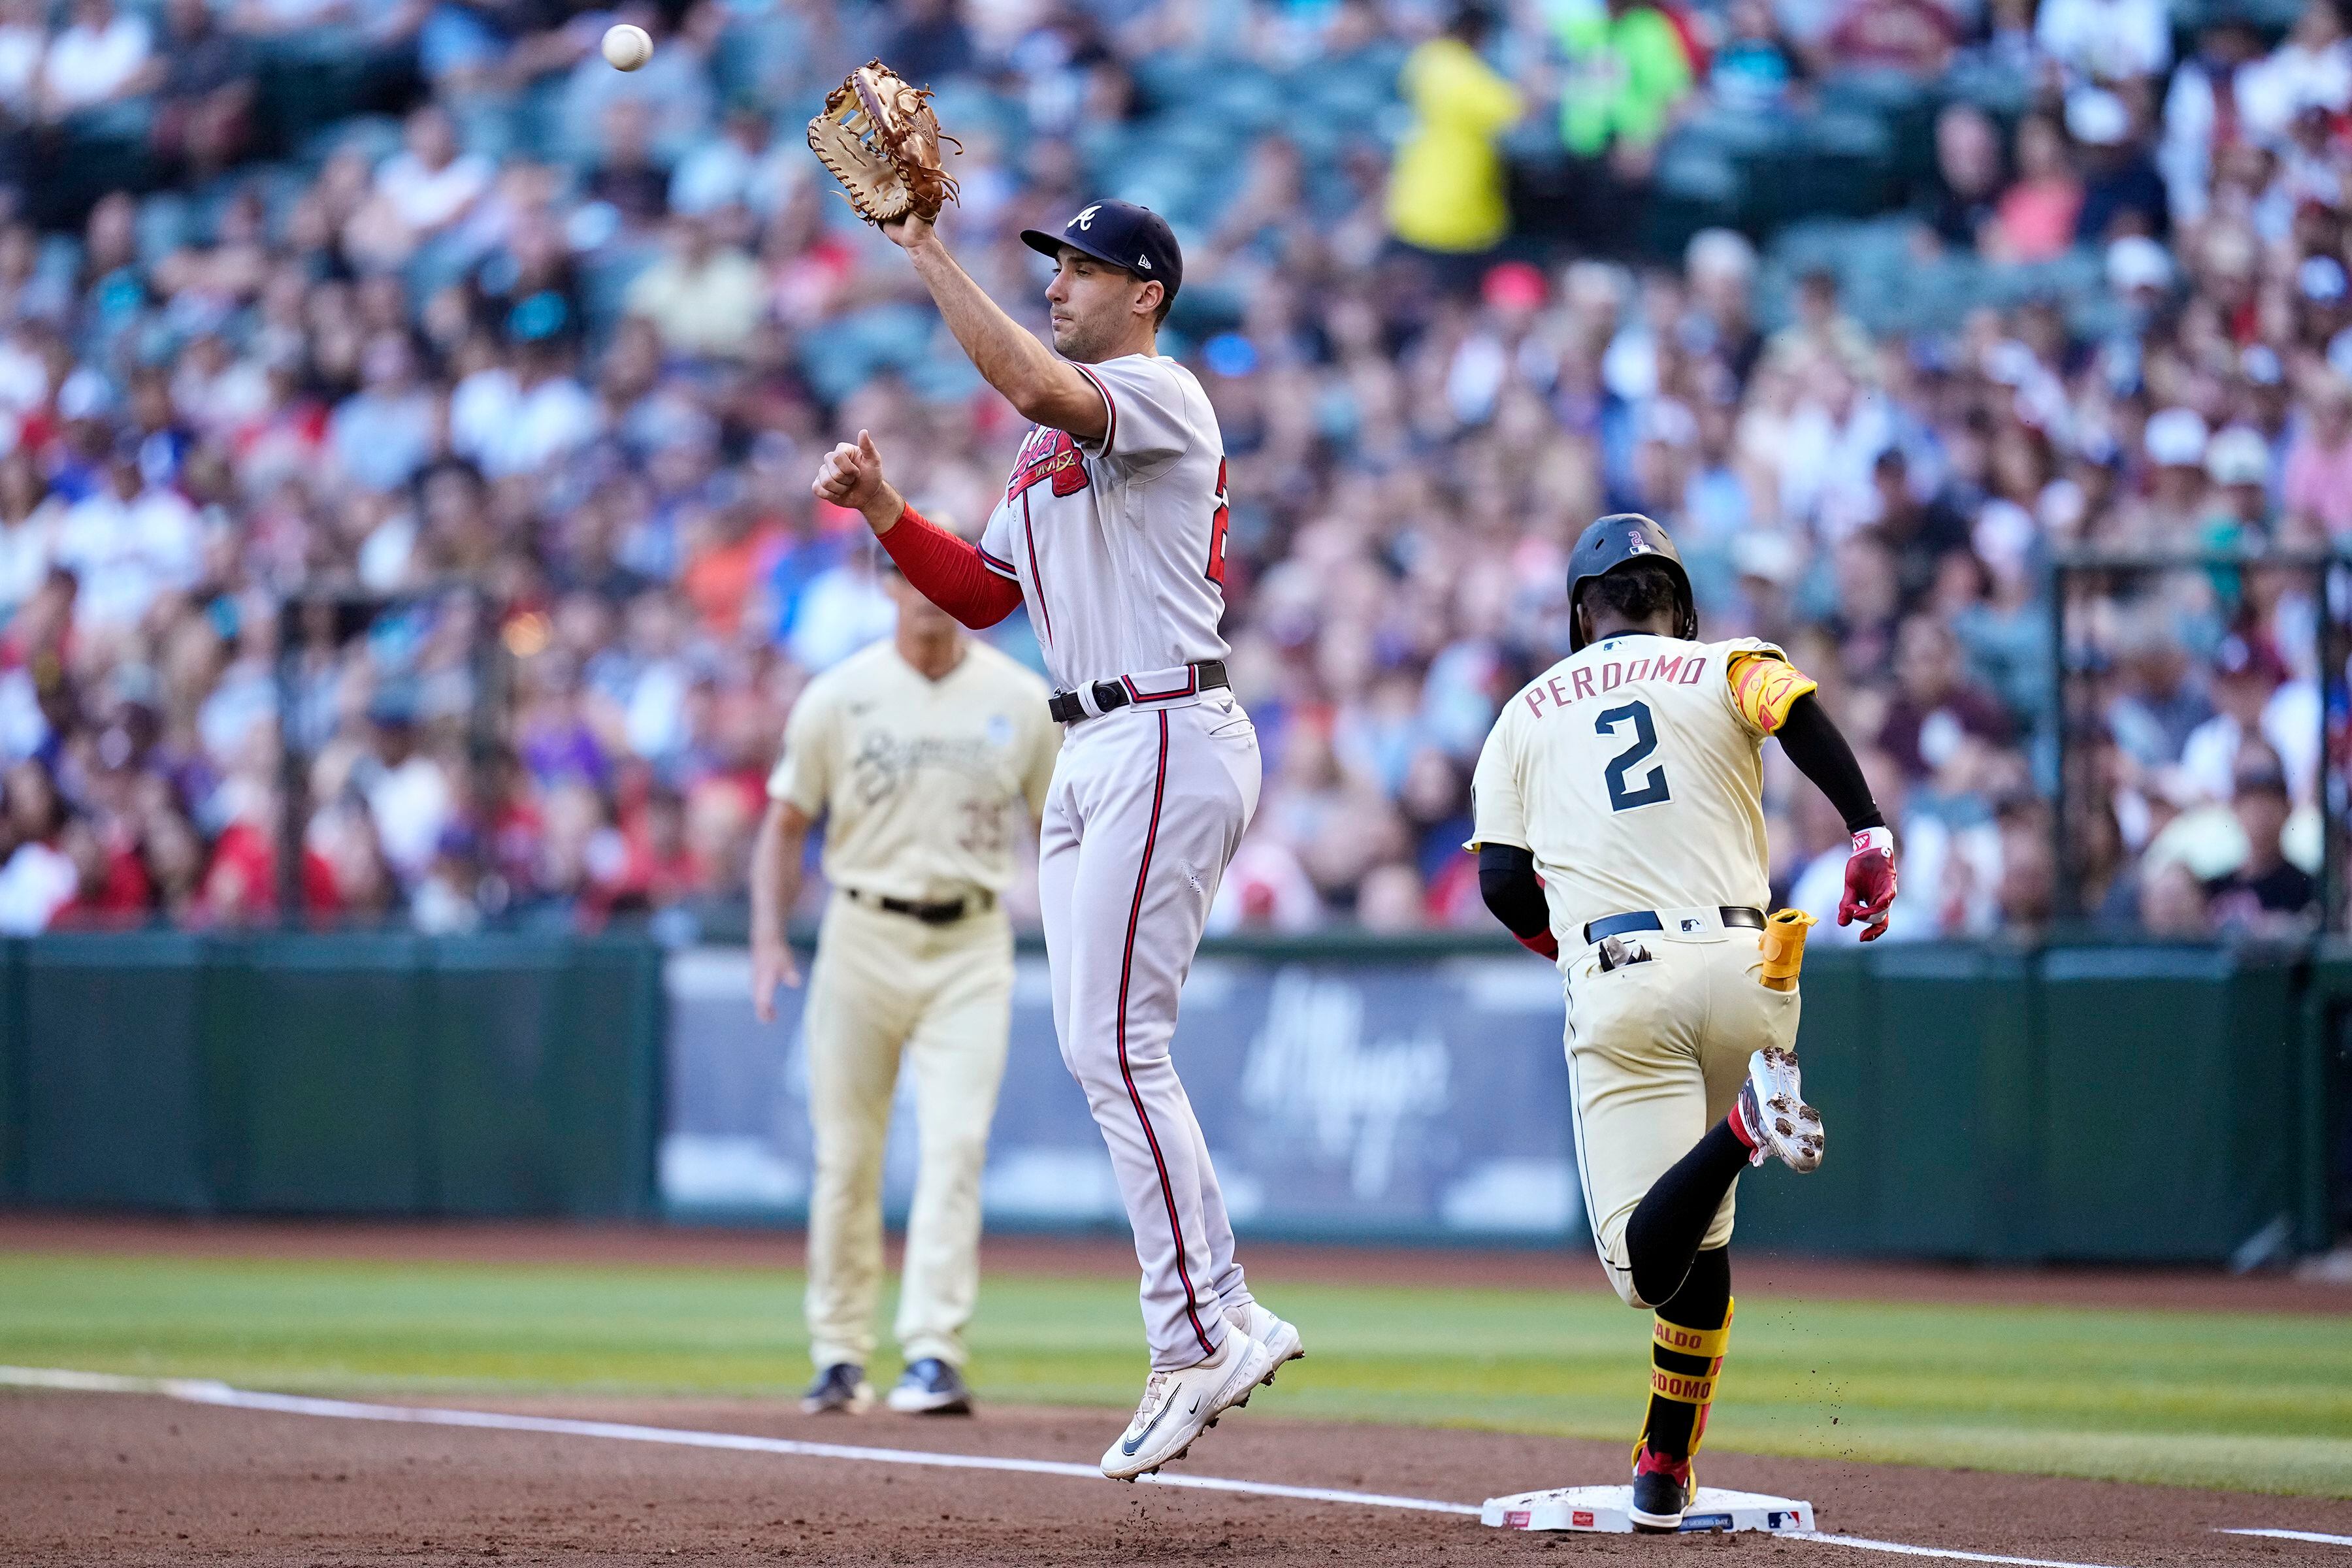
[886, 988]
[1657, 1052]
[1146, 808]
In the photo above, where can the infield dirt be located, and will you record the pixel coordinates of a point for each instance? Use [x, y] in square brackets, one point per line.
[134, 1479]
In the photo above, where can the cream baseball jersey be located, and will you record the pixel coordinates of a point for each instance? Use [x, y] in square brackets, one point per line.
[1631, 771]
[1119, 545]
[921, 782]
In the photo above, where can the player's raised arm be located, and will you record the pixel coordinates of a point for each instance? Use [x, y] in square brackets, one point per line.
[1116, 268]
[882, 139]
[1045, 388]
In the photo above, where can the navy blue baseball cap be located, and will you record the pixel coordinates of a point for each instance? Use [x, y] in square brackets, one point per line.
[1122, 234]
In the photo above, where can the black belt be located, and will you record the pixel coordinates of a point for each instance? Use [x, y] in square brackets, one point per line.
[1067, 709]
[933, 912]
[1647, 920]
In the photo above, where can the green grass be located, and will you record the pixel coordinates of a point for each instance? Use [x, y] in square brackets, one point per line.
[2237, 1400]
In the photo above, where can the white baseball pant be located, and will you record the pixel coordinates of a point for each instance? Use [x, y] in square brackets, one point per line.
[1147, 807]
[886, 986]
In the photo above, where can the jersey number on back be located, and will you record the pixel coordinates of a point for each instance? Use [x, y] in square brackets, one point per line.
[1652, 788]
[1215, 569]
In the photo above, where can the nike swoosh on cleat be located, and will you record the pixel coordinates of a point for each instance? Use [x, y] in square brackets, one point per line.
[1132, 1444]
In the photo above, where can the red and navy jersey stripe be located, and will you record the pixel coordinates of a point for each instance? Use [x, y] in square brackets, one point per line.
[1111, 404]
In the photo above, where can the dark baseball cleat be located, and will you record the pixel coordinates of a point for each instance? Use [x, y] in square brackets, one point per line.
[840, 1389]
[1661, 1490]
[931, 1387]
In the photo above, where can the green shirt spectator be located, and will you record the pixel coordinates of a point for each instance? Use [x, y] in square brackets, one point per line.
[1627, 68]
[1445, 193]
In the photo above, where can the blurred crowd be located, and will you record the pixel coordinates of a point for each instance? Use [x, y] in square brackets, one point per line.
[412, 523]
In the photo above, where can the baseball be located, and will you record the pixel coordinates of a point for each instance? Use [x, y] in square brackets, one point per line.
[627, 46]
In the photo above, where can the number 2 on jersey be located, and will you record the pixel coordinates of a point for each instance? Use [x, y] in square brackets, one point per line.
[1215, 569]
[1653, 787]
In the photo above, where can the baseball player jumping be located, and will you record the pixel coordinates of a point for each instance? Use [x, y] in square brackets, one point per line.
[923, 754]
[1112, 531]
[1619, 821]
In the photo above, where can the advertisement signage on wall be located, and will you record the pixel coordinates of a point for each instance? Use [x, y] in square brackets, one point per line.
[1339, 1098]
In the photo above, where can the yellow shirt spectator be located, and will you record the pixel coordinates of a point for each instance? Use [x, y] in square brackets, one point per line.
[1447, 191]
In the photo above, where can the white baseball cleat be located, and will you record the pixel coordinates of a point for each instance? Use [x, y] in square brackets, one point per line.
[1772, 1108]
[1178, 1406]
[1280, 1338]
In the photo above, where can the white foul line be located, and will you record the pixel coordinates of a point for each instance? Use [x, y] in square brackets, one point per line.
[2293, 1535]
[1901, 1549]
[205, 1390]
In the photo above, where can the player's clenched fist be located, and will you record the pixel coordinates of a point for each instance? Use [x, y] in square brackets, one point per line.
[1869, 882]
[851, 476]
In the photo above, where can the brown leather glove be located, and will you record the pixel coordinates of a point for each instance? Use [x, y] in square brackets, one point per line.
[882, 141]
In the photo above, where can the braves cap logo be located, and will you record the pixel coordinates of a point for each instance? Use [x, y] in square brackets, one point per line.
[1087, 218]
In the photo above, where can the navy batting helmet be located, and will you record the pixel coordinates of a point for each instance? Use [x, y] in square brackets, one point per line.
[1610, 543]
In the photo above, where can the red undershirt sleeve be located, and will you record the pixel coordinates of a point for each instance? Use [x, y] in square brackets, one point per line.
[949, 572]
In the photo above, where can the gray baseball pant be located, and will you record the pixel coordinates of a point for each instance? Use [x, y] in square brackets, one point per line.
[1147, 807]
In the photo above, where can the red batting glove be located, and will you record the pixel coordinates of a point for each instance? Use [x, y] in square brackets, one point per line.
[1869, 882]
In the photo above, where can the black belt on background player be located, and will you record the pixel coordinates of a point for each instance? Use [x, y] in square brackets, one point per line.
[931, 912]
[1069, 708]
[1648, 919]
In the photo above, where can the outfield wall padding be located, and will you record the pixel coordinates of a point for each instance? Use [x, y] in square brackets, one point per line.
[365, 1075]
[2324, 1102]
[1992, 1102]
[2138, 1103]
[2109, 1104]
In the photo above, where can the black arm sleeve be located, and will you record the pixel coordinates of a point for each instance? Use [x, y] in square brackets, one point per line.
[1507, 880]
[1812, 740]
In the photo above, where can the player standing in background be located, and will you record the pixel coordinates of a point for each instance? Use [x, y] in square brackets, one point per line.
[920, 752]
[1112, 530]
[1617, 813]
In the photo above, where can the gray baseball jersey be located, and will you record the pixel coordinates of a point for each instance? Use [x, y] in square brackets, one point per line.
[1118, 546]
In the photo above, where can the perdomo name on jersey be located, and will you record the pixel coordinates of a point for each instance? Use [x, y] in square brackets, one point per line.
[1675, 669]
